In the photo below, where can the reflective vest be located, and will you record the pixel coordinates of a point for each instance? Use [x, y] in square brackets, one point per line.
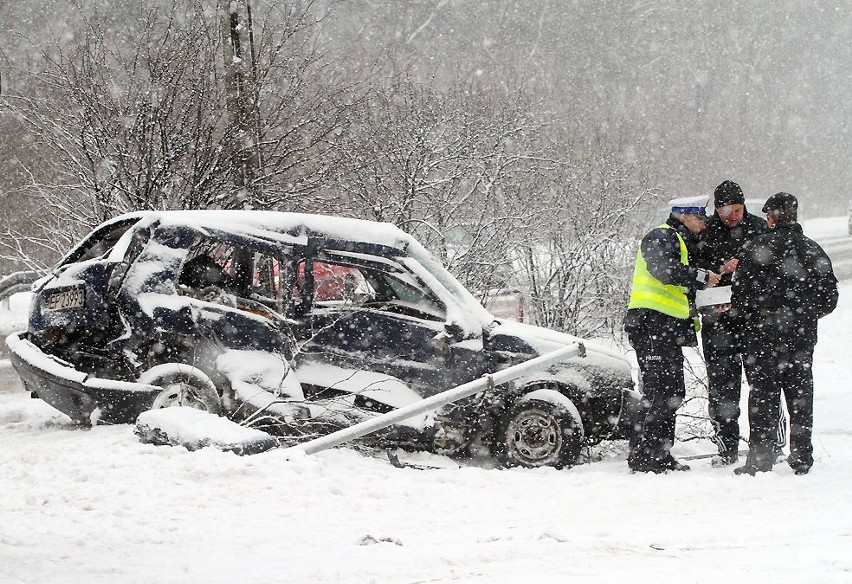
[649, 292]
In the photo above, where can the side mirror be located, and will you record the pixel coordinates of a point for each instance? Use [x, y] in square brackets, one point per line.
[454, 331]
[441, 345]
[442, 342]
[360, 298]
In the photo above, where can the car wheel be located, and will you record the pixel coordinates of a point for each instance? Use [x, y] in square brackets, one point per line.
[540, 431]
[183, 385]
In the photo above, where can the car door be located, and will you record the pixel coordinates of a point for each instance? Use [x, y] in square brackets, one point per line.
[370, 314]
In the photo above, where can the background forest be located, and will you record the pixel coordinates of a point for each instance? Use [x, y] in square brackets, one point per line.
[526, 142]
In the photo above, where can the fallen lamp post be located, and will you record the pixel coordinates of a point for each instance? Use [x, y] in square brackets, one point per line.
[434, 402]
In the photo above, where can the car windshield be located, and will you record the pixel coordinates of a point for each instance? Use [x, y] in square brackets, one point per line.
[448, 281]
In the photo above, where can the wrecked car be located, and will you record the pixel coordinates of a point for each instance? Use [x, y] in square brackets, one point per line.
[301, 325]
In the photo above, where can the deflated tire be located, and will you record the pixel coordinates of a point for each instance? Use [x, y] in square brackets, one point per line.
[183, 385]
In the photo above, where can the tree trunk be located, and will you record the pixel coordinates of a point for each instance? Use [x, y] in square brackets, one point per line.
[242, 107]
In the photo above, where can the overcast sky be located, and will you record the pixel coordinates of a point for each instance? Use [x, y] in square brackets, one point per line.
[754, 91]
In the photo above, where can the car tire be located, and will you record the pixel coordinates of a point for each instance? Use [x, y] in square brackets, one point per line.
[542, 428]
[183, 385]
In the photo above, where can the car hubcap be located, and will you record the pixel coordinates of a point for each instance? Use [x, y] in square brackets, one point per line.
[535, 437]
[179, 394]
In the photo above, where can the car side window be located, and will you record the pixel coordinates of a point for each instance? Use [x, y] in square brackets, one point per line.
[208, 265]
[333, 284]
[405, 295]
[233, 275]
[266, 278]
[340, 285]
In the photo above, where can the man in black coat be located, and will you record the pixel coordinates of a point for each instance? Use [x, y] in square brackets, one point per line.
[783, 284]
[730, 227]
[659, 322]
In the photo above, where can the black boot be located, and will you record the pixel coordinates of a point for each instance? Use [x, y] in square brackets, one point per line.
[758, 460]
[761, 458]
[746, 469]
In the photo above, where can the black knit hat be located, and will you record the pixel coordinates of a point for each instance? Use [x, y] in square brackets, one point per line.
[781, 202]
[728, 193]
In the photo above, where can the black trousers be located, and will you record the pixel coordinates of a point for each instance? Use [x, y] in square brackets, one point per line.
[724, 380]
[774, 369]
[663, 390]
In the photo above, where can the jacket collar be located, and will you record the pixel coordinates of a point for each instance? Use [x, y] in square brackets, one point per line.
[786, 227]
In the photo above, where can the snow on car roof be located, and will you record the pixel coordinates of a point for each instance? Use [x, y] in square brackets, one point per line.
[276, 223]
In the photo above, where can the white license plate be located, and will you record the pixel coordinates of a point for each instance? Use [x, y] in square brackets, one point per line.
[67, 299]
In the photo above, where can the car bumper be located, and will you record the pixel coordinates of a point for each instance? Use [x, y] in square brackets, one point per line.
[82, 397]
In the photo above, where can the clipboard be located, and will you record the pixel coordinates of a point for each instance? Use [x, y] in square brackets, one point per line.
[713, 296]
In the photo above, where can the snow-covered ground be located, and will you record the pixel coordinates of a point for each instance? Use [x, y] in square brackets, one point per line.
[99, 506]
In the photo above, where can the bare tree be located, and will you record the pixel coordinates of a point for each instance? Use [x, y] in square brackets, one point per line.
[435, 163]
[502, 196]
[136, 108]
[578, 252]
[287, 103]
[129, 115]
[241, 98]
[131, 112]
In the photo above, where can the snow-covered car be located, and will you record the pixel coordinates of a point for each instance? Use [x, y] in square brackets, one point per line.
[302, 324]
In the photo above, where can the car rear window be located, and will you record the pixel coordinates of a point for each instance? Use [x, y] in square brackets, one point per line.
[101, 242]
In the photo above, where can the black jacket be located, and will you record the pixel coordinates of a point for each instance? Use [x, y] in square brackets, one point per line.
[719, 243]
[783, 284]
[661, 251]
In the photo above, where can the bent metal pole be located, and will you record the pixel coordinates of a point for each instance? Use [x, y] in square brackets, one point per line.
[438, 400]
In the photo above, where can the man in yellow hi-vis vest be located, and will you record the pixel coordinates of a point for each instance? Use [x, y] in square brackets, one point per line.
[660, 320]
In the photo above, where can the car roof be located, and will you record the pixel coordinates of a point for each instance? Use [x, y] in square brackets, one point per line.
[282, 226]
[297, 228]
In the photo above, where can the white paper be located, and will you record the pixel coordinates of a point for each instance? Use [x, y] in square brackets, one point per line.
[713, 296]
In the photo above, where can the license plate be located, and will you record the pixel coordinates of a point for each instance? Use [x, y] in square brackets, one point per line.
[67, 299]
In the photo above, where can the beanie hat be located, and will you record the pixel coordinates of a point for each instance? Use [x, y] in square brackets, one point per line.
[781, 202]
[728, 193]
